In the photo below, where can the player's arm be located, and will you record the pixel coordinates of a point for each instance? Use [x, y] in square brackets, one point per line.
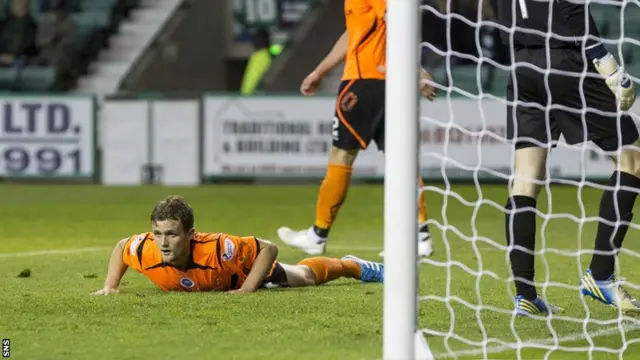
[335, 56]
[267, 254]
[615, 76]
[116, 270]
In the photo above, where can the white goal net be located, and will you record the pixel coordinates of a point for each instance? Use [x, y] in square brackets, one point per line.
[465, 298]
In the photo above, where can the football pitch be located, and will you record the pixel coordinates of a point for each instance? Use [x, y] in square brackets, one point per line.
[64, 234]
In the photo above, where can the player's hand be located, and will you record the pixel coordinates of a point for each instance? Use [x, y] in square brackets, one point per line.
[240, 291]
[310, 84]
[618, 81]
[427, 88]
[106, 291]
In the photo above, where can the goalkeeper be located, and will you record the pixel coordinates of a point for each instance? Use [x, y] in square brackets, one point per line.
[176, 258]
[359, 119]
[566, 83]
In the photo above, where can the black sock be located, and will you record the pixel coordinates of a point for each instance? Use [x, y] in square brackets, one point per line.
[323, 233]
[608, 237]
[520, 230]
[423, 228]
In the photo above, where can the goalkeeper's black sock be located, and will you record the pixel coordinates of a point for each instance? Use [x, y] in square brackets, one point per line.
[609, 238]
[520, 230]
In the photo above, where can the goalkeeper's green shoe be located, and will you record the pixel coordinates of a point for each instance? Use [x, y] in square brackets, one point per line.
[608, 292]
[537, 306]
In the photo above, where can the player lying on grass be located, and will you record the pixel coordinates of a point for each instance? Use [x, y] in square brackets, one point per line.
[176, 258]
[359, 119]
[556, 97]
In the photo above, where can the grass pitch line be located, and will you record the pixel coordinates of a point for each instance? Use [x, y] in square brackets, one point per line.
[54, 252]
[613, 330]
[101, 248]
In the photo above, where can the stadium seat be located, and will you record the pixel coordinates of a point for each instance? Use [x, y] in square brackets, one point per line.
[96, 20]
[36, 79]
[91, 5]
[608, 18]
[8, 77]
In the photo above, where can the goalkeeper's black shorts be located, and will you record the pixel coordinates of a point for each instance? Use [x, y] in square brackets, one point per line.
[570, 99]
[359, 115]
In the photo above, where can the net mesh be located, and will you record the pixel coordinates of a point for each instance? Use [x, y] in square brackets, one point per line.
[466, 290]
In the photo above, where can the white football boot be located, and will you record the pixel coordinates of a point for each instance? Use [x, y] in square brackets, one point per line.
[425, 245]
[305, 240]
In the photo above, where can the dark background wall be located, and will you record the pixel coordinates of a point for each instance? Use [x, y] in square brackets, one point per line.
[171, 63]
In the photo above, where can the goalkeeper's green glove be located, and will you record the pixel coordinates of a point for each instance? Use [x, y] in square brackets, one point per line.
[618, 81]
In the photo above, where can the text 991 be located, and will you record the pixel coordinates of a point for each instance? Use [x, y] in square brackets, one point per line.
[17, 160]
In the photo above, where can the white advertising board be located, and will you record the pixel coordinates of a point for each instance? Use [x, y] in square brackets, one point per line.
[47, 137]
[289, 136]
[272, 136]
[151, 142]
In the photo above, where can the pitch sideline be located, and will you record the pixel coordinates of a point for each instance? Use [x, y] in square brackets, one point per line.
[100, 248]
[54, 252]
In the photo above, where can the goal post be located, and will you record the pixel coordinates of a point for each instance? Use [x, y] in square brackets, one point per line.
[401, 339]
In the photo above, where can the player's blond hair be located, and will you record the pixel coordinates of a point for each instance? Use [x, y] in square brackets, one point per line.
[174, 208]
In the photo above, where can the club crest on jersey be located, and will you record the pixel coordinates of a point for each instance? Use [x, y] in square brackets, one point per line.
[134, 244]
[187, 283]
[229, 249]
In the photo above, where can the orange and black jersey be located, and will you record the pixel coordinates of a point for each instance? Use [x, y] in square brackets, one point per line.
[366, 31]
[218, 262]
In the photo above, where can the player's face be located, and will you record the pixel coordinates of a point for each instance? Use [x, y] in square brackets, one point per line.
[172, 240]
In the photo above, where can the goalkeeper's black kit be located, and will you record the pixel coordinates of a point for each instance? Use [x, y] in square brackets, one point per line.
[547, 101]
[567, 20]
[570, 54]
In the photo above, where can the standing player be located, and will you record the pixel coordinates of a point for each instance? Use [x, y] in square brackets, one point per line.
[176, 258]
[552, 100]
[359, 118]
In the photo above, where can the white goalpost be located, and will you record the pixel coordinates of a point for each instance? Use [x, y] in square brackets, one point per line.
[401, 338]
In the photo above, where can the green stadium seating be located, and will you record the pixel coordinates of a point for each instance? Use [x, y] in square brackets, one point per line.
[96, 19]
[608, 19]
[36, 79]
[8, 77]
[90, 5]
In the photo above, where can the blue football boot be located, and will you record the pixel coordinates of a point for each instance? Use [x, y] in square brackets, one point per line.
[370, 271]
[608, 292]
[538, 307]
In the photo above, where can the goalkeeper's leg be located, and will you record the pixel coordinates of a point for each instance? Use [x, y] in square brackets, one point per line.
[319, 270]
[531, 129]
[520, 228]
[616, 207]
[611, 132]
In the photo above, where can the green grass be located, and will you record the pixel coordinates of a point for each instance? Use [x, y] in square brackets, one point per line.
[50, 315]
